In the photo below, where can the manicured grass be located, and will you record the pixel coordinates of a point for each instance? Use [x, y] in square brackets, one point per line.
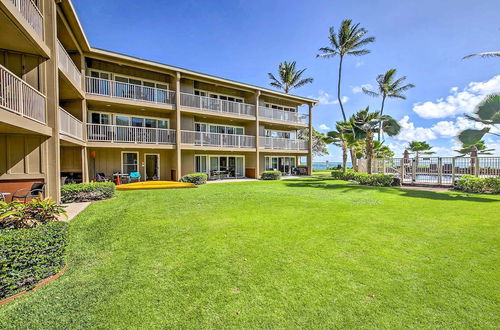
[303, 253]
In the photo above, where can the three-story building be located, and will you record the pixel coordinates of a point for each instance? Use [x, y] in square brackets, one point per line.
[69, 111]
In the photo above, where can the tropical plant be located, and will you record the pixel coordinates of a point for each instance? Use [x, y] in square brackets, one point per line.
[319, 142]
[348, 40]
[380, 150]
[488, 114]
[480, 147]
[483, 55]
[37, 211]
[420, 148]
[339, 138]
[366, 123]
[389, 87]
[289, 77]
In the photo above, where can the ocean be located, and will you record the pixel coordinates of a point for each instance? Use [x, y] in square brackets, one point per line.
[327, 164]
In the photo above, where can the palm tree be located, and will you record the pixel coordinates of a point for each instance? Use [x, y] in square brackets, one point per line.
[366, 123]
[483, 55]
[349, 40]
[289, 77]
[380, 150]
[389, 87]
[480, 148]
[339, 139]
[486, 113]
[420, 147]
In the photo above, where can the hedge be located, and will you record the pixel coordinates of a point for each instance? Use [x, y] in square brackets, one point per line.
[87, 192]
[195, 178]
[271, 175]
[378, 179]
[470, 183]
[30, 255]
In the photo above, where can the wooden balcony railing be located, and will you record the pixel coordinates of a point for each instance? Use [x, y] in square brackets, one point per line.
[31, 13]
[129, 134]
[18, 96]
[217, 105]
[69, 125]
[217, 139]
[67, 65]
[282, 115]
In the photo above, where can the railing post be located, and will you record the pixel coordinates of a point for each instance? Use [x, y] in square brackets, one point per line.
[453, 171]
[440, 171]
[21, 103]
[402, 170]
[414, 170]
[476, 167]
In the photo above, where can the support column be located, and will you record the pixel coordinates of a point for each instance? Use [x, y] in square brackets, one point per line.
[178, 165]
[51, 89]
[85, 165]
[257, 135]
[310, 153]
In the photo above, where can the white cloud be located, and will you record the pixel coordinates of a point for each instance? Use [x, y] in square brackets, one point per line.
[323, 127]
[359, 63]
[359, 89]
[458, 102]
[410, 133]
[326, 98]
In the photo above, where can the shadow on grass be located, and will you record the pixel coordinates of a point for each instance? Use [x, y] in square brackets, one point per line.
[344, 187]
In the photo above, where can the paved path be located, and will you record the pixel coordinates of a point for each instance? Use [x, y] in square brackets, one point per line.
[73, 209]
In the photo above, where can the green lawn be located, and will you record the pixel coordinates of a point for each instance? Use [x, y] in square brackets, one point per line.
[302, 253]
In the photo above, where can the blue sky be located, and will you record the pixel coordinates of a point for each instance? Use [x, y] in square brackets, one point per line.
[243, 40]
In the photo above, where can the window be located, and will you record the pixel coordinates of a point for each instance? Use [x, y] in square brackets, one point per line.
[99, 118]
[137, 122]
[129, 162]
[222, 129]
[279, 134]
[200, 164]
[218, 96]
[122, 120]
[281, 107]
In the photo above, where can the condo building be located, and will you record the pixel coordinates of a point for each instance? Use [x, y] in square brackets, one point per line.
[70, 112]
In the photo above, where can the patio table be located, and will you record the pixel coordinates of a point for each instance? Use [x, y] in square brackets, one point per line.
[117, 177]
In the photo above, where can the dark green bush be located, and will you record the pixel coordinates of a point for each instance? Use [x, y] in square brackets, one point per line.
[29, 255]
[470, 183]
[37, 211]
[195, 178]
[271, 175]
[87, 192]
[381, 180]
[341, 175]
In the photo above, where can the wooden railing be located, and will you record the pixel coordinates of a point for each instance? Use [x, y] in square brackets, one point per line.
[67, 65]
[217, 139]
[217, 105]
[282, 115]
[437, 170]
[283, 144]
[69, 125]
[128, 91]
[18, 96]
[31, 13]
[129, 134]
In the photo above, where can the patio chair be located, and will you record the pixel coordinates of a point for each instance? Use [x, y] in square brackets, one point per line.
[100, 177]
[2, 198]
[135, 176]
[37, 189]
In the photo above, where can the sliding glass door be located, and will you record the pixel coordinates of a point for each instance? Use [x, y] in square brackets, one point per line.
[220, 166]
[285, 165]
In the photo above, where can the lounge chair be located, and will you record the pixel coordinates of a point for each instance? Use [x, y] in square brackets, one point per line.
[135, 176]
[37, 189]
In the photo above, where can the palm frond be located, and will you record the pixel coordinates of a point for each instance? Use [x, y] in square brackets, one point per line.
[483, 55]
[369, 92]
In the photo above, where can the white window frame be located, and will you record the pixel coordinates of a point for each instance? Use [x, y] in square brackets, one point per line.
[130, 152]
[212, 155]
[208, 94]
[145, 163]
[212, 124]
[283, 107]
[114, 114]
[113, 75]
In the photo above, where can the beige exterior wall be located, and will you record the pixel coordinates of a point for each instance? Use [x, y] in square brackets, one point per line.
[21, 156]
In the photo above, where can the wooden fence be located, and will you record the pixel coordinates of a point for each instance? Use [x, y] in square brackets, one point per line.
[437, 170]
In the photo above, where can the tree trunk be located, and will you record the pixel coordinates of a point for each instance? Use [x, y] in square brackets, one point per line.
[353, 160]
[344, 156]
[381, 122]
[338, 89]
[369, 151]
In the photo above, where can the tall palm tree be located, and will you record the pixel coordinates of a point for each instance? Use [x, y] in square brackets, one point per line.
[420, 148]
[366, 123]
[349, 40]
[389, 87]
[289, 77]
[487, 113]
[339, 138]
[480, 148]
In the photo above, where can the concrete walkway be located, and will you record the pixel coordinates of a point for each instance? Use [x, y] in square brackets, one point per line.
[73, 209]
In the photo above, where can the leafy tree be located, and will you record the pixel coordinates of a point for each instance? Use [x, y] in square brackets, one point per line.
[348, 40]
[319, 144]
[420, 148]
[366, 123]
[380, 150]
[389, 87]
[289, 77]
[486, 113]
[480, 147]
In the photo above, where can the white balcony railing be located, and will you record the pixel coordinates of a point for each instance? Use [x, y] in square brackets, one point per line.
[217, 139]
[281, 115]
[18, 96]
[128, 91]
[67, 65]
[69, 125]
[129, 134]
[31, 13]
[216, 105]
[283, 144]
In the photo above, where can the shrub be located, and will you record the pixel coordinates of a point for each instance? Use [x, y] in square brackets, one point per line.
[26, 215]
[470, 183]
[29, 255]
[341, 175]
[87, 192]
[195, 178]
[271, 175]
[381, 180]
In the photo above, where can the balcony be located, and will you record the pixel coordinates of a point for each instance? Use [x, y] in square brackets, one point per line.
[69, 125]
[129, 134]
[216, 105]
[19, 97]
[120, 90]
[31, 13]
[67, 66]
[283, 116]
[217, 139]
[283, 144]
